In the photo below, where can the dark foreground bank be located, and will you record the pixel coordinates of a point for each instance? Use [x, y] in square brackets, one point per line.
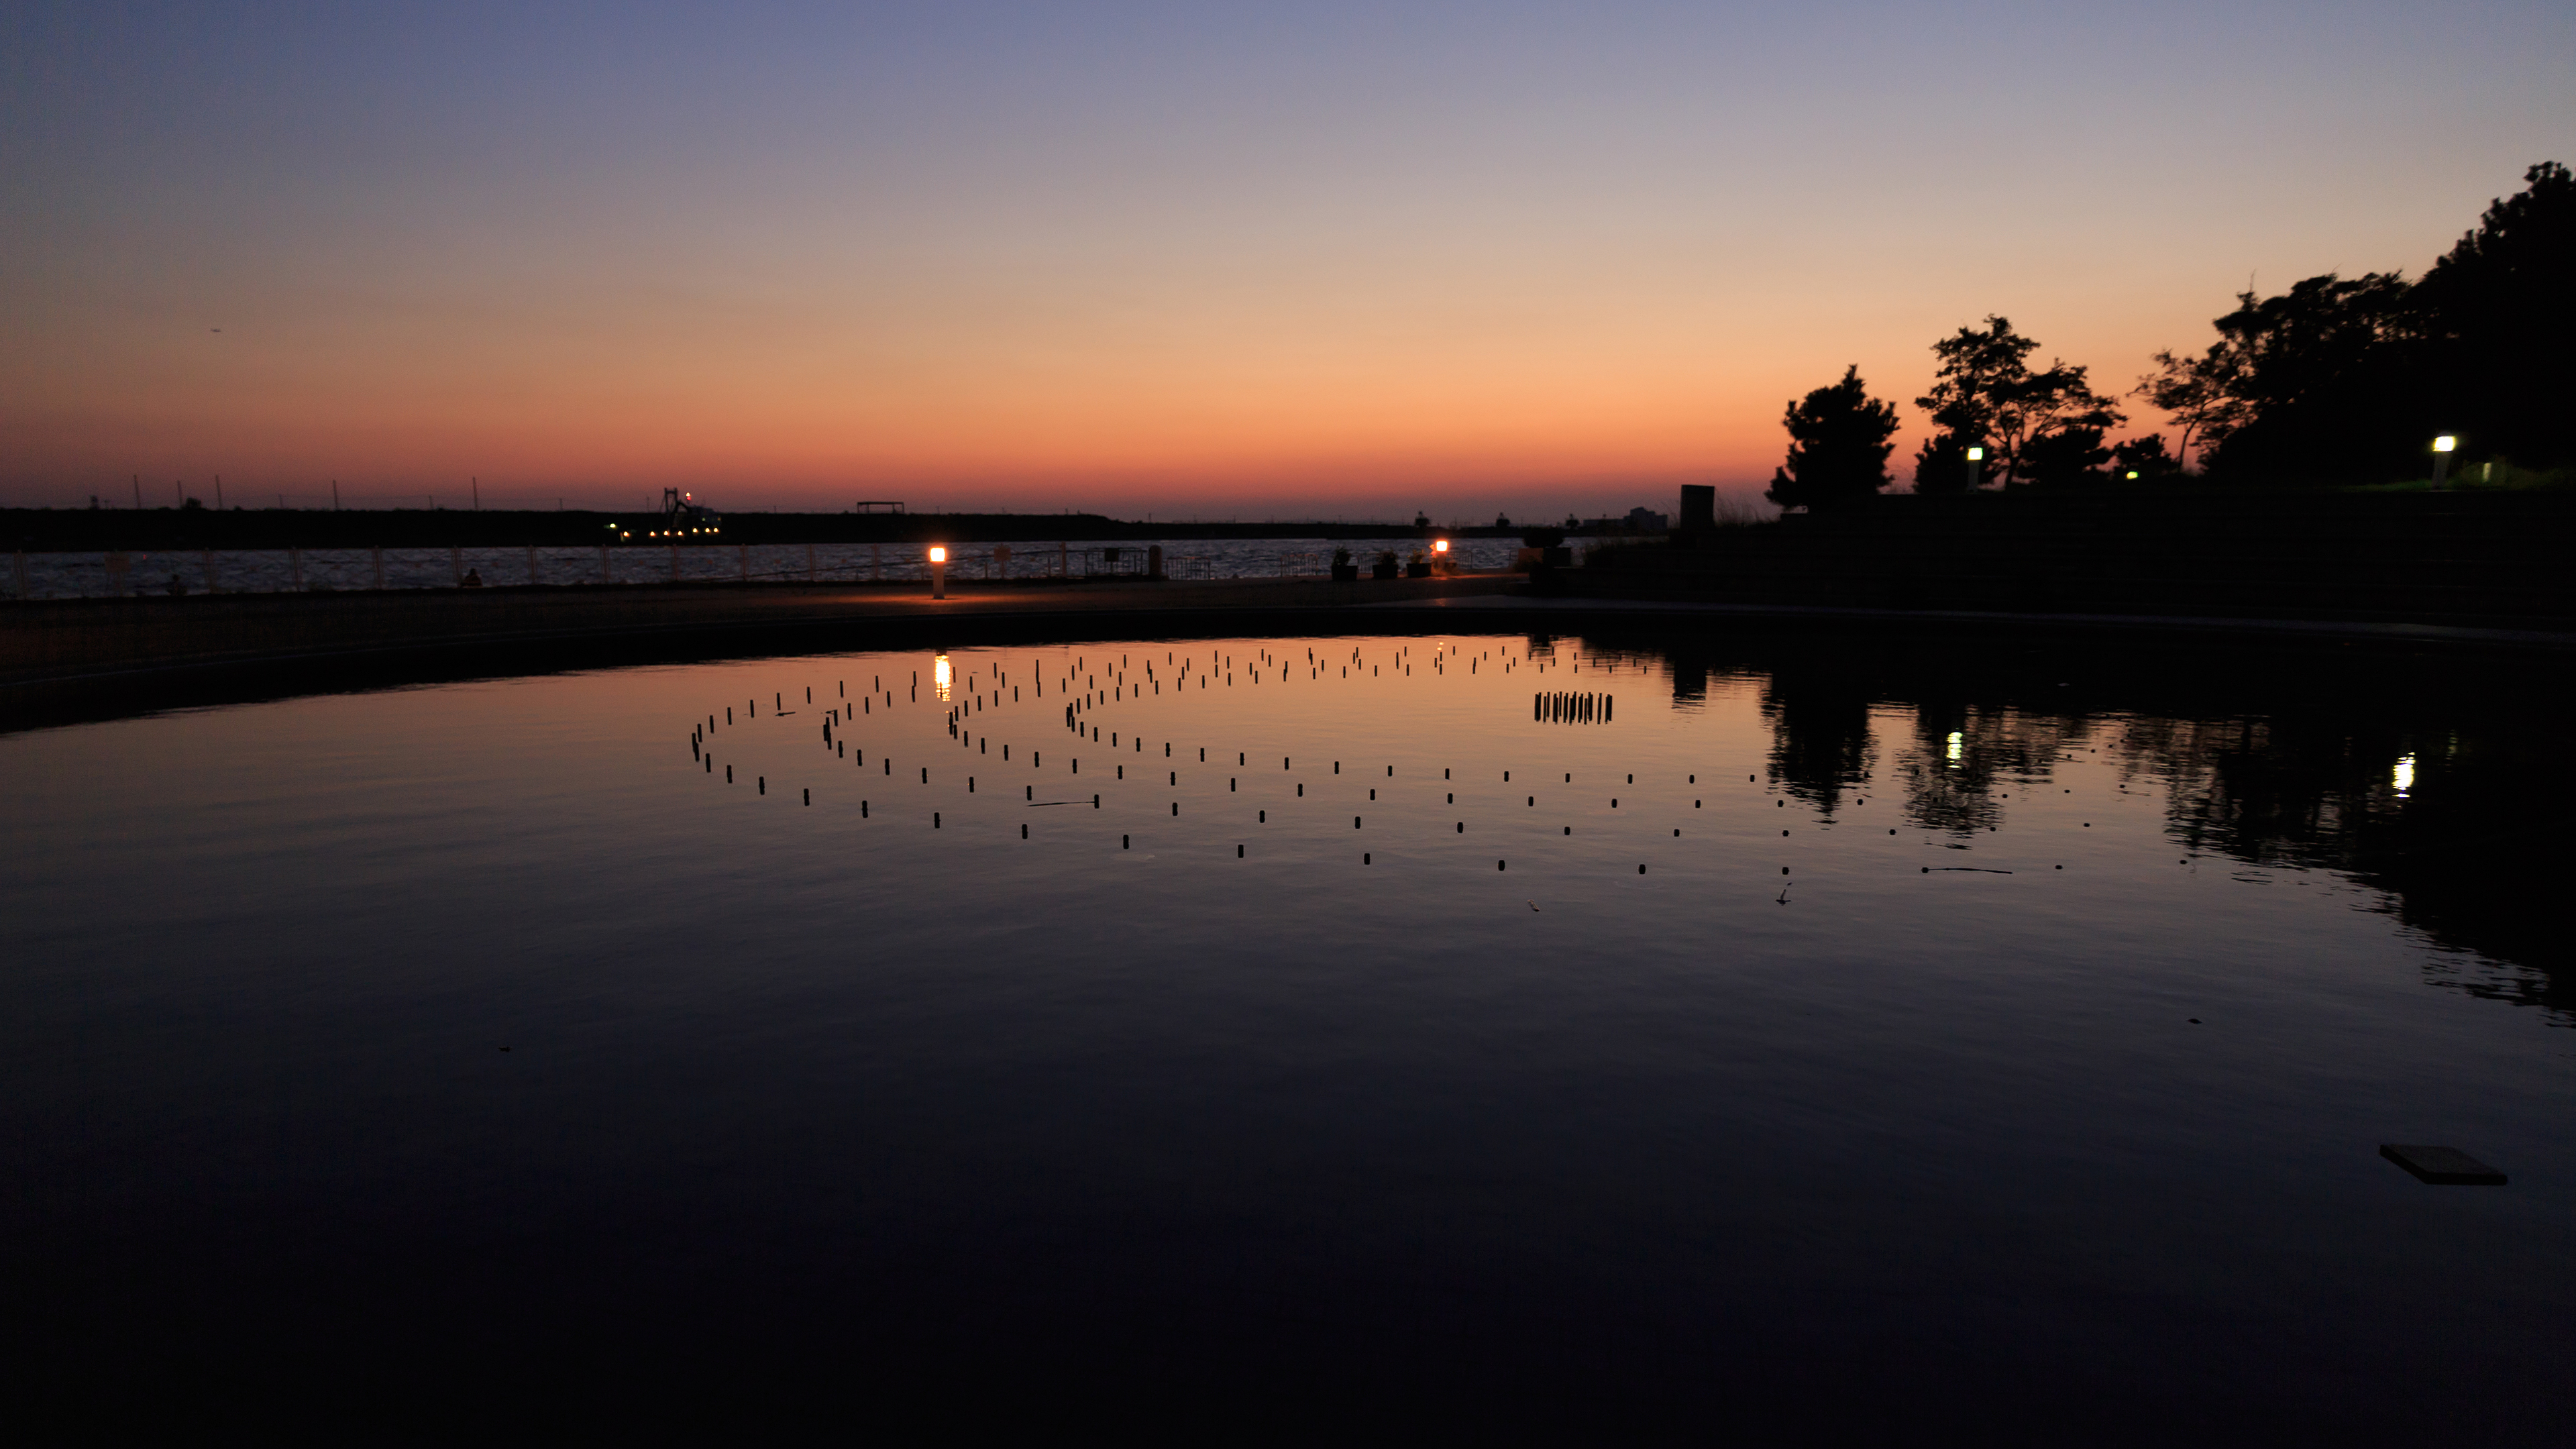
[95, 659]
[2492, 559]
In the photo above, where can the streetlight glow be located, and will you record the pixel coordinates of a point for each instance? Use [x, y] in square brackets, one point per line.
[1976, 455]
[2445, 443]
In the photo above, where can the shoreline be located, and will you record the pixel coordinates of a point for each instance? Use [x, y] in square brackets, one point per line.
[69, 661]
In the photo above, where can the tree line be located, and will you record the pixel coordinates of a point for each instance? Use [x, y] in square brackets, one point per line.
[2336, 381]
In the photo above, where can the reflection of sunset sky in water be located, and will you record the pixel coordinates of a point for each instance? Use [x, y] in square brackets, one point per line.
[1055, 1059]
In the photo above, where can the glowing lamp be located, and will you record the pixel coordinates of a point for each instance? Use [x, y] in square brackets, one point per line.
[1976, 455]
[2445, 443]
[938, 571]
[2133, 472]
[938, 555]
[1440, 546]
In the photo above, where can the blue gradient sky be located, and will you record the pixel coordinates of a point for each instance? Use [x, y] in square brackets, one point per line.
[1225, 260]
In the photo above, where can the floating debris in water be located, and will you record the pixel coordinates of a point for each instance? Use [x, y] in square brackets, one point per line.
[2441, 1166]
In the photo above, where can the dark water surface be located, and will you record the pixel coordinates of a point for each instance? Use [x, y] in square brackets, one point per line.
[1875, 1101]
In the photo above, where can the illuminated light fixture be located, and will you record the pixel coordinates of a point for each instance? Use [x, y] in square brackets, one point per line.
[2403, 777]
[1440, 546]
[939, 577]
[2442, 447]
[2133, 472]
[2445, 443]
[1976, 455]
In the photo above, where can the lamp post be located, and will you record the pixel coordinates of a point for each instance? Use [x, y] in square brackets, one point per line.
[2442, 448]
[939, 571]
[1976, 468]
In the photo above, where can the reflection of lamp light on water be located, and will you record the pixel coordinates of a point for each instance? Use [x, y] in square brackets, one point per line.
[1957, 745]
[939, 581]
[2403, 777]
[942, 673]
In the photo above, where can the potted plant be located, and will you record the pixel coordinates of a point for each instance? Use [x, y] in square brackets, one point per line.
[1344, 571]
[1418, 566]
[1385, 567]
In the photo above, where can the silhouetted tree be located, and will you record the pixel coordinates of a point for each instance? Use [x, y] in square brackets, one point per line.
[1985, 392]
[2500, 314]
[2064, 457]
[2346, 380]
[1941, 465]
[2198, 392]
[1838, 446]
[1975, 366]
[2145, 456]
[2327, 383]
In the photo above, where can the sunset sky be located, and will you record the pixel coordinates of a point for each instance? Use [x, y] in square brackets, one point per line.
[1221, 260]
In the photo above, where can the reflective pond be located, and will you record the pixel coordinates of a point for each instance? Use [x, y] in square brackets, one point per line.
[1270, 1036]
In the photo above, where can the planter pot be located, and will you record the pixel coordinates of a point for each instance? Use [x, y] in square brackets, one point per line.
[1346, 573]
[1381, 571]
[1417, 571]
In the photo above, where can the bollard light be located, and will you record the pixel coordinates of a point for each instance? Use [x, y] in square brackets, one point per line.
[1976, 468]
[2442, 448]
[939, 571]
